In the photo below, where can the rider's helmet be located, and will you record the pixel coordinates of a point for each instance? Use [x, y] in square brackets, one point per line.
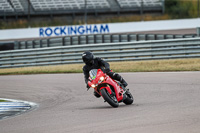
[88, 58]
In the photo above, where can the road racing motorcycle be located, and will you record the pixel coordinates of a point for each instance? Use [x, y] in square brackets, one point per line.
[111, 90]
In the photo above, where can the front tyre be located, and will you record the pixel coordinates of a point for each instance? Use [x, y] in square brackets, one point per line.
[112, 100]
[129, 100]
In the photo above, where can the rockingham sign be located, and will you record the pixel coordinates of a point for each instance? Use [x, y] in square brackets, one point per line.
[73, 30]
[54, 31]
[69, 30]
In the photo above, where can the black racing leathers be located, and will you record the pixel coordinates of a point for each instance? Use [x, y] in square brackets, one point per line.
[101, 64]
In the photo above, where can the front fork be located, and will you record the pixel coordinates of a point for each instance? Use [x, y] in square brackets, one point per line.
[120, 97]
[107, 88]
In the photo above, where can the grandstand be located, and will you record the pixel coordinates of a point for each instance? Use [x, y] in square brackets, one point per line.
[44, 5]
[38, 7]
[5, 6]
[139, 3]
[16, 4]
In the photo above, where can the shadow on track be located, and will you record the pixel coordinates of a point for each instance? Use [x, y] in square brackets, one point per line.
[108, 107]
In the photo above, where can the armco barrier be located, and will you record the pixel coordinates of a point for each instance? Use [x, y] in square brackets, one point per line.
[94, 39]
[7, 46]
[124, 51]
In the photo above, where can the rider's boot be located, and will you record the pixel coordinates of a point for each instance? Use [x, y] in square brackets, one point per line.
[124, 83]
[118, 77]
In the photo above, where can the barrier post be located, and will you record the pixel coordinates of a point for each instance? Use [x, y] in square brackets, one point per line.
[198, 31]
[63, 41]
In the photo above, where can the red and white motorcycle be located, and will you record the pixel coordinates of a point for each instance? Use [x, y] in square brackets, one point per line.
[112, 91]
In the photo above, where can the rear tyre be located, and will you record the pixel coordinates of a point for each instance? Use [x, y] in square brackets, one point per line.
[129, 100]
[112, 100]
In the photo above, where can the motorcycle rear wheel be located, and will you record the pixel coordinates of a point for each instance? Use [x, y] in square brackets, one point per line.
[129, 100]
[112, 100]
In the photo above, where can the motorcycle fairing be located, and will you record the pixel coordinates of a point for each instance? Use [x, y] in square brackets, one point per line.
[118, 89]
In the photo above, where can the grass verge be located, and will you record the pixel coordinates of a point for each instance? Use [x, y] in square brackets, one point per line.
[128, 66]
[3, 101]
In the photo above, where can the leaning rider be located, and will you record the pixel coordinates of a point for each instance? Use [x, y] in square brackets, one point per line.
[98, 63]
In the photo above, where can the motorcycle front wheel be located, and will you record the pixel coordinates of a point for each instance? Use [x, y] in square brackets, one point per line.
[111, 99]
[129, 100]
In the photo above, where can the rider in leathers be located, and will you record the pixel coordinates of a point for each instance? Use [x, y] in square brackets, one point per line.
[98, 63]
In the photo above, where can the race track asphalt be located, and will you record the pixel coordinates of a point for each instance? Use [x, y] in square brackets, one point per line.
[164, 103]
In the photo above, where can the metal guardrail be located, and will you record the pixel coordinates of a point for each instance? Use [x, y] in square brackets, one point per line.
[94, 39]
[9, 45]
[124, 51]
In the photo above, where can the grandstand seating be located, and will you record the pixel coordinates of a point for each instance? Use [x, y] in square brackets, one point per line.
[43, 5]
[17, 5]
[97, 4]
[138, 3]
[5, 6]
[152, 3]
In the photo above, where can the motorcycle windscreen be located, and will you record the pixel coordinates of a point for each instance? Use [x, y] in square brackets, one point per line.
[93, 73]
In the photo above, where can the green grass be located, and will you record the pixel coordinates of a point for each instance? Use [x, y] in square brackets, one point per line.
[159, 66]
[3, 101]
[128, 66]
